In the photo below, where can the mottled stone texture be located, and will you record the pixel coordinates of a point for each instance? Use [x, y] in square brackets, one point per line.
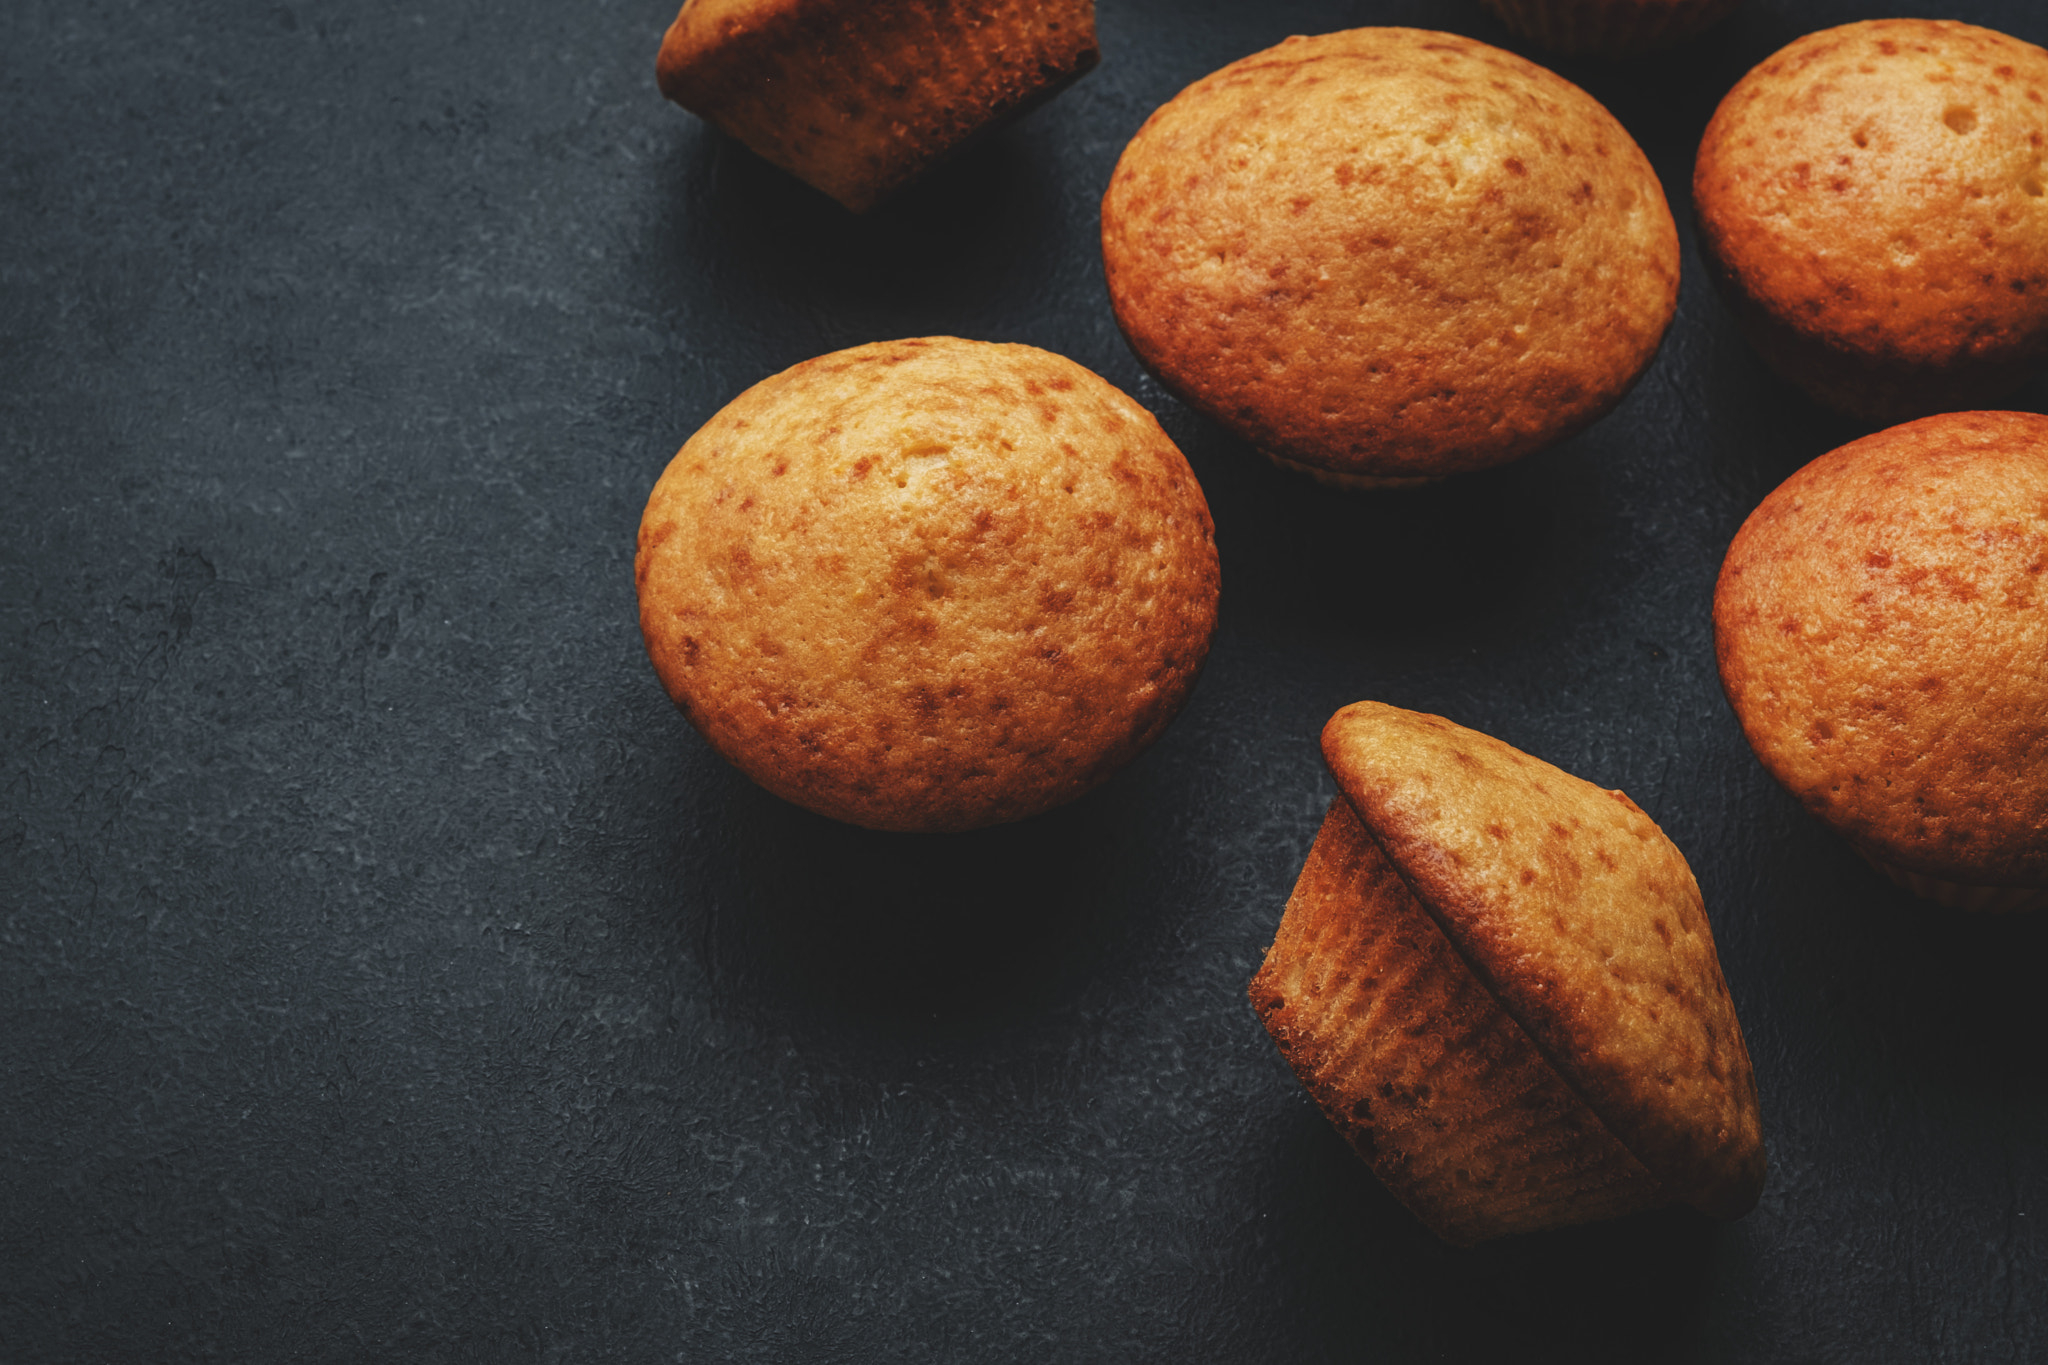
[387, 972]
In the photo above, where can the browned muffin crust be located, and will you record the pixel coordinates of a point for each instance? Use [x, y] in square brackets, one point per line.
[930, 584]
[1390, 252]
[1871, 201]
[1499, 981]
[857, 97]
[1415, 1062]
[1585, 922]
[1882, 628]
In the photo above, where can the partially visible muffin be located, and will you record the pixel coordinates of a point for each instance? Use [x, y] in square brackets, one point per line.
[1610, 28]
[930, 584]
[857, 97]
[1874, 204]
[1388, 255]
[1882, 627]
[1499, 983]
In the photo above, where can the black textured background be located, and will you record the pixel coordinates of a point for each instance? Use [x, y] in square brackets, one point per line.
[388, 972]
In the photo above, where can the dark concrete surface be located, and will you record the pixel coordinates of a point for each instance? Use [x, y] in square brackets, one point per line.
[387, 972]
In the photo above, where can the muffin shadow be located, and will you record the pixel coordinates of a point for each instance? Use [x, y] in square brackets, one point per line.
[931, 935]
[1499, 546]
[1761, 427]
[1665, 98]
[1629, 1290]
[960, 252]
[1947, 995]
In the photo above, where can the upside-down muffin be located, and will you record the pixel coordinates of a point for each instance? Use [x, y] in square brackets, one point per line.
[857, 97]
[1499, 983]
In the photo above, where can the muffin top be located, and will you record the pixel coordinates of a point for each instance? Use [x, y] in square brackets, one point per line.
[1882, 627]
[928, 584]
[1390, 252]
[1880, 187]
[1584, 921]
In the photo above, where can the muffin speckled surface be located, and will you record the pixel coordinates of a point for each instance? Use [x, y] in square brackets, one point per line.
[1390, 254]
[1874, 202]
[929, 584]
[1498, 981]
[1882, 627]
[857, 97]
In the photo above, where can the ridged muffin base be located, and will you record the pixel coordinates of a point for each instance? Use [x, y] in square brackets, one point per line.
[1420, 1068]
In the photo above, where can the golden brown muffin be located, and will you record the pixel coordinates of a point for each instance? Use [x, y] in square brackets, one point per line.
[928, 585]
[1882, 628]
[1499, 983]
[1609, 28]
[856, 97]
[1871, 200]
[1390, 254]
